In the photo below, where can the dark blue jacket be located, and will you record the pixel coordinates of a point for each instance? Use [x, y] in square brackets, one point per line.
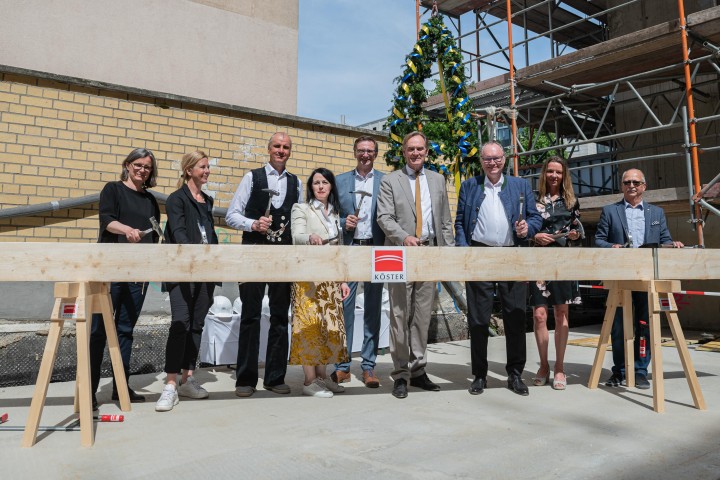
[472, 194]
[612, 228]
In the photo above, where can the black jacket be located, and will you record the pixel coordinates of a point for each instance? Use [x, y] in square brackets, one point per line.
[183, 216]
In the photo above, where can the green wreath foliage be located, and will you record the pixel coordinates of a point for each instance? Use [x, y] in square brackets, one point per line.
[453, 139]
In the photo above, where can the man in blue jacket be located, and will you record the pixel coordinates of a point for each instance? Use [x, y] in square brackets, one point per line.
[357, 192]
[632, 223]
[495, 210]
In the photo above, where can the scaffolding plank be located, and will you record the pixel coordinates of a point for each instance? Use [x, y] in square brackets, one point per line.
[456, 8]
[535, 19]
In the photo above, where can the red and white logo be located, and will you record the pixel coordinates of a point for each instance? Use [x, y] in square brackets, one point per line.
[68, 311]
[389, 265]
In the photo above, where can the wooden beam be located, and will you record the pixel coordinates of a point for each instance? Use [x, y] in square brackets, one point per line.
[247, 263]
[688, 264]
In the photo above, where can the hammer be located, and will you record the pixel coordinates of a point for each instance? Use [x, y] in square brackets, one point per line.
[362, 194]
[155, 227]
[272, 193]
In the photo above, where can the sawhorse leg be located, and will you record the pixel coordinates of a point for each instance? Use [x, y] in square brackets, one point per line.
[98, 298]
[613, 302]
[44, 374]
[665, 302]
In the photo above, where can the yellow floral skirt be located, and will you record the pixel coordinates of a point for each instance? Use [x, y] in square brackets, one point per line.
[318, 327]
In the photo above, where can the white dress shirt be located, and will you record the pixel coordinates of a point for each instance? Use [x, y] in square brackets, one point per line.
[363, 230]
[492, 227]
[235, 216]
[428, 232]
[331, 220]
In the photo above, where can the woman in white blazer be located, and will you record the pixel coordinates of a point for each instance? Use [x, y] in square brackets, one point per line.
[318, 329]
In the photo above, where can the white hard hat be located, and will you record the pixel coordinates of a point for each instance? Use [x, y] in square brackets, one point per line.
[237, 306]
[221, 307]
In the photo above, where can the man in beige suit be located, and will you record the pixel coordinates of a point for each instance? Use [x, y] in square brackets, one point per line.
[413, 222]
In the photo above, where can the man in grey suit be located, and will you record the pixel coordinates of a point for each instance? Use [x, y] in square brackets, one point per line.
[413, 220]
[358, 190]
[631, 222]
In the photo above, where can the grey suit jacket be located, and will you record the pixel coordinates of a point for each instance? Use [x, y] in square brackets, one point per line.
[612, 227]
[348, 203]
[396, 208]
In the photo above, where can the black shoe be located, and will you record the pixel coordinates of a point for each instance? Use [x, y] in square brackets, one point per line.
[516, 384]
[134, 397]
[425, 383]
[477, 386]
[400, 388]
[615, 380]
[641, 382]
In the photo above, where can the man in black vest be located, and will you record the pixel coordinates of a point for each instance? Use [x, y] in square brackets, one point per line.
[247, 213]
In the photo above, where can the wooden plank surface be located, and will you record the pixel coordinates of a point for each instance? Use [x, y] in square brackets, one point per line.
[245, 263]
[688, 264]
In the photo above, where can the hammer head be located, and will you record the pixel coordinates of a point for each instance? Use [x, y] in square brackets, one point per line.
[362, 193]
[271, 192]
[156, 226]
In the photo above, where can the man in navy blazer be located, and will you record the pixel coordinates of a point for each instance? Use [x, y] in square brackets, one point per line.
[632, 223]
[361, 229]
[489, 215]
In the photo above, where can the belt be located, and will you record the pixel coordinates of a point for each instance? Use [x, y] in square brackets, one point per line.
[428, 243]
[473, 243]
[363, 241]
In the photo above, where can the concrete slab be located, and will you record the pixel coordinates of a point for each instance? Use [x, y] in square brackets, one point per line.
[364, 433]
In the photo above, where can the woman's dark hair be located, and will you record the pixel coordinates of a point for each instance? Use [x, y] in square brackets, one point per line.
[134, 155]
[333, 197]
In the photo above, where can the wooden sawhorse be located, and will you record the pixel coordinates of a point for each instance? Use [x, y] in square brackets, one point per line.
[77, 302]
[660, 299]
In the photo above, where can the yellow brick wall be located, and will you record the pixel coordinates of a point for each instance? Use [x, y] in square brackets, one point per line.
[60, 141]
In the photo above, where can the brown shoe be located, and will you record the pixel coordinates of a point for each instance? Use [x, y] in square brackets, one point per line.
[338, 376]
[370, 380]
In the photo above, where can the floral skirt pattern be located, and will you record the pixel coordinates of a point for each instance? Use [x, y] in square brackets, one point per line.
[556, 292]
[318, 327]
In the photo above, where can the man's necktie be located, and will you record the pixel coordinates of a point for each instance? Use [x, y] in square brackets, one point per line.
[418, 207]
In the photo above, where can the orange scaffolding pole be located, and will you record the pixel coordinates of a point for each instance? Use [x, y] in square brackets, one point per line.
[691, 123]
[513, 117]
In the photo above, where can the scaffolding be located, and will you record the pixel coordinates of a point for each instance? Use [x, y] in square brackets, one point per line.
[632, 97]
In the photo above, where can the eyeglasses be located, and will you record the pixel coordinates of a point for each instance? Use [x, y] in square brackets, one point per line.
[364, 152]
[492, 159]
[139, 167]
[634, 183]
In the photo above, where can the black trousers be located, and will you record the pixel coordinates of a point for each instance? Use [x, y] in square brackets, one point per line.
[127, 301]
[251, 295]
[189, 304]
[513, 297]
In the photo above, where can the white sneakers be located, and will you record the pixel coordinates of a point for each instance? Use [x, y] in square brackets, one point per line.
[317, 389]
[322, 388]
[192, 389]
[168, 399]
[332, 386]
[169, 396]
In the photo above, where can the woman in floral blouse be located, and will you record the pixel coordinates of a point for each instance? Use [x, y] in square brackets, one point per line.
[560, 211]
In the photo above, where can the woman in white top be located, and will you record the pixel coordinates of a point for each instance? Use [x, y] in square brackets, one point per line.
[318, 329]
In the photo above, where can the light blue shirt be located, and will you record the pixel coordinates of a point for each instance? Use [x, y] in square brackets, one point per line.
[636, 223]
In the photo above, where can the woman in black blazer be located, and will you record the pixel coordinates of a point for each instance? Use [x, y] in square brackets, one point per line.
[189, 220]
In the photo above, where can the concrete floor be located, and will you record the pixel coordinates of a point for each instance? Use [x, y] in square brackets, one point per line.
[363, 433]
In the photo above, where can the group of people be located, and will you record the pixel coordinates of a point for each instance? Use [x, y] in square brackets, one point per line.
[364, 207]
